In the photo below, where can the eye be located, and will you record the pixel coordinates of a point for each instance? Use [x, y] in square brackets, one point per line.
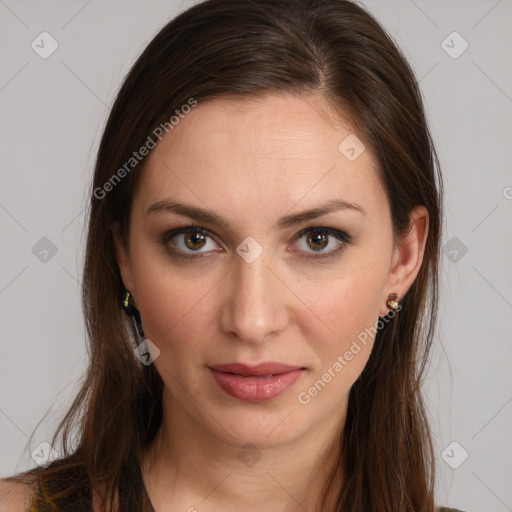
[191, 241]
[319, 238]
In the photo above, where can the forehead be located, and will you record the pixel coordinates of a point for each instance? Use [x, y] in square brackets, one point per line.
[275, 147]
[274, 126]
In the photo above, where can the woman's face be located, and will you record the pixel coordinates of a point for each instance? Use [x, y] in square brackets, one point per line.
[258, 281]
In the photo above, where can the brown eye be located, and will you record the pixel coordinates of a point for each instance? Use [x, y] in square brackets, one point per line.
[194, 240]
[317, 241]
[313, 241]
[189, 241]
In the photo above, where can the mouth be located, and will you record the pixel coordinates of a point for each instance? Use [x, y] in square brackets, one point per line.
[255, 383]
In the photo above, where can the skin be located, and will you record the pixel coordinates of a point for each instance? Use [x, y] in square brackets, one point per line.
[254, 161]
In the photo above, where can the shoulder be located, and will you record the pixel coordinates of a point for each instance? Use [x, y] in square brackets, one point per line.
[14, 497]
[440, 509]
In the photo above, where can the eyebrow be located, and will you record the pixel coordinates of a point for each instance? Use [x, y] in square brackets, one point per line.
[203, 215]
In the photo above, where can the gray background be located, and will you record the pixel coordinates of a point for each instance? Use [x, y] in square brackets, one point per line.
[52, 114]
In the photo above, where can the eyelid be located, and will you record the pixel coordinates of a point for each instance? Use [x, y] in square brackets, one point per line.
[343, 237]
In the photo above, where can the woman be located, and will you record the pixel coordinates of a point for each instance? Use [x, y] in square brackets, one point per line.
[261, 276]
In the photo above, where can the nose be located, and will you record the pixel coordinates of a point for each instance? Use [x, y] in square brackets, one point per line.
[254, 306]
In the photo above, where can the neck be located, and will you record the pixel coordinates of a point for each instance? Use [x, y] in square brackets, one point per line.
[186, 468]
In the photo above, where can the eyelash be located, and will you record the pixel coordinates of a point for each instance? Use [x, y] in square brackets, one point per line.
[342, 236]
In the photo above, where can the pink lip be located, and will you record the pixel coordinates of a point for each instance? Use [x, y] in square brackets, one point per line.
[255, 383]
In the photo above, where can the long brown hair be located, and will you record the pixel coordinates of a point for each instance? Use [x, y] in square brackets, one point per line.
[222, 48]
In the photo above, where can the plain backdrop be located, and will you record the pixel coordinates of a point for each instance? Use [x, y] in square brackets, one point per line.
[52, 112]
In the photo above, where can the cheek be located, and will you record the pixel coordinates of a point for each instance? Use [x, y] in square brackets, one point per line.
[174, 307]
[341, 337]
[171, 320]
[345, 303]
[342, 331]
[166, 304]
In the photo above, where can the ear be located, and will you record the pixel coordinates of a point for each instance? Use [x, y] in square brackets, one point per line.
[407, 256]
[122, 257]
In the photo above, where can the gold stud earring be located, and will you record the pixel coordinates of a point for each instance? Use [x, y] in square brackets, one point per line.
[392, 301]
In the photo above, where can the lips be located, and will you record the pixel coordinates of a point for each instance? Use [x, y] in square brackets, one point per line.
[270, 368]
[255, 383]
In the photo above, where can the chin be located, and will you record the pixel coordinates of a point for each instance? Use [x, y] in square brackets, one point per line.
[256, 424]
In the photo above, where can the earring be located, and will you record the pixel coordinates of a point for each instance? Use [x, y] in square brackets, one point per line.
[128, 305]
[392, 301]
[127, 302]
